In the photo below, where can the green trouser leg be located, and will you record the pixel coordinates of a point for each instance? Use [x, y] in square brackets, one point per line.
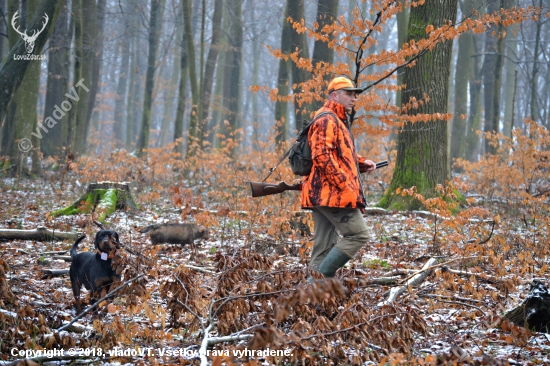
[335, 259]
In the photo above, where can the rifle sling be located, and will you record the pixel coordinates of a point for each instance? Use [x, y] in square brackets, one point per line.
[289, 150]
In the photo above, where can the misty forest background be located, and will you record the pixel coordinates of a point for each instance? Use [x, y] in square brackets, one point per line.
[147, 63]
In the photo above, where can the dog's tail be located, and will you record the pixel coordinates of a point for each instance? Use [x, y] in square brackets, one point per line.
[75, 245]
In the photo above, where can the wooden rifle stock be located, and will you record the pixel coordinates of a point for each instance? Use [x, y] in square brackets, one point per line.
[260, 189]
[265, 189]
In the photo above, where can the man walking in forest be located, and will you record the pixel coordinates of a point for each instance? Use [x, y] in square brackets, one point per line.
[333, 190]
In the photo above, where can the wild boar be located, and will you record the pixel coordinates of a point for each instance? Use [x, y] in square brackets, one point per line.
[174, 233]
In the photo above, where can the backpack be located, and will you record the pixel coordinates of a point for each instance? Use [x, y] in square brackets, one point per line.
[300, 152]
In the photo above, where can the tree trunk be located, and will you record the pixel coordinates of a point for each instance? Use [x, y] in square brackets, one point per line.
[462, 76]
[255, 74]
[25, 113]
[217, 100]
[155, 26]
[422, 159]
[489, 73]
[58, 81]
[283, 81]
[120, 128]
[76, 14]
[3, 29]
[402, 25]
[195, 118]
[232, 95]
[533, 103]
[496, 105]
[132, 96]
[182, 89]
[139, 92]
[12, 71]
[474, 117]
[210, 66]
[510, 80]
[180, 110]
[102, 198]
[87, 32]
[298, 41]
[202, 51]
[97, 57]
[169, 100]
[327, 11]
[8, 129]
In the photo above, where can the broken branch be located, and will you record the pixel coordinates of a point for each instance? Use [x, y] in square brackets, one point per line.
[415, 280]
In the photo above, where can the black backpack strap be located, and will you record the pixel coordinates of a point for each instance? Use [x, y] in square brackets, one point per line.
[304, 129]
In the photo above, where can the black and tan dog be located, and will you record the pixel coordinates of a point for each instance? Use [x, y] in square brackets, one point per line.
[93, 270]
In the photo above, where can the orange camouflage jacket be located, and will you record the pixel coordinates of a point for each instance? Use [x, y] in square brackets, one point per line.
[334, 178]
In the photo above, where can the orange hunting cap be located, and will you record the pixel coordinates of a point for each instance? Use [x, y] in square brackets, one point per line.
[343, 83]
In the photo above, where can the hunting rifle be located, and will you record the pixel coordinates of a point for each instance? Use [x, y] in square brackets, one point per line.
[260, 189]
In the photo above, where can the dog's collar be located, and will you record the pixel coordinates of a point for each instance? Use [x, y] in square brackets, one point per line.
[104, 256]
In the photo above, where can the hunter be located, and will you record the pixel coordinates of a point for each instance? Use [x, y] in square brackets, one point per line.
[333, 190]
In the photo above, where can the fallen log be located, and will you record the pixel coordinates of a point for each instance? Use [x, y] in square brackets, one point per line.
[436, 266]
[66, 258]
[39, 234]
[102, 198]
[417, 279]
[534, 312]
[50, 272]
[479, 276]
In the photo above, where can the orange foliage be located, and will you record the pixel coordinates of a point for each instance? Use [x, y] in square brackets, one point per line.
[354, 41]
[518, 172]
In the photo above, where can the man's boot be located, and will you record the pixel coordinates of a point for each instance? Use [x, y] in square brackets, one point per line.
[335, 259]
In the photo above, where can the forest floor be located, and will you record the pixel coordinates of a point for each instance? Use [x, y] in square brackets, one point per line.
[449, 317]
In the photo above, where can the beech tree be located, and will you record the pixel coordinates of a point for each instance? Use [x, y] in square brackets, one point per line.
[3, 29]
[25, 118]
[474, 117]
[232, 95]
[462, 77]
[58, 81]
[283, 80]
[422, 147]
[155, 26]
[12, 71]
[119, 128]
[96, 18]
[210, 65]
[196, 115]
[8, 127]
[290, 74]
[327, 11]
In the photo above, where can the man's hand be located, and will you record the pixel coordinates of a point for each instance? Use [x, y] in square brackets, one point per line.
[368, 166]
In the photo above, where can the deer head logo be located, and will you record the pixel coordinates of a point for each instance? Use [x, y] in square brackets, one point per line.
[29, 40]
